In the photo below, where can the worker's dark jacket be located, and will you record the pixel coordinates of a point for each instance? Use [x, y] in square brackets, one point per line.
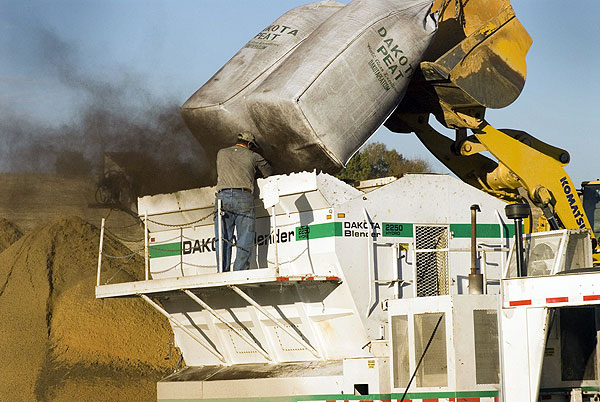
[237, 166]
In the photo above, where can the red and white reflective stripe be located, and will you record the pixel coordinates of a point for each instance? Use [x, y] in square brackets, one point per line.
[515, 303]
[548, 301]
[476, 399]
[306, 278]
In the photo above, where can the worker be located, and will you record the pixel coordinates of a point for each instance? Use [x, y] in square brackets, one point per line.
[237, 168]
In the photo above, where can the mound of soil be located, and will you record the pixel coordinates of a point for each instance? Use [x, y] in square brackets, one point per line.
[9, 233]
[59, 343]
[30, 200]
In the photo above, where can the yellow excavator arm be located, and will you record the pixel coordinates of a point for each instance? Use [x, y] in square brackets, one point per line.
[477, 61]
[523, 162]
[543, 176]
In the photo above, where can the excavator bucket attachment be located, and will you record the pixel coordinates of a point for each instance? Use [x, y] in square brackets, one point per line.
[476, 61]
[489, 65]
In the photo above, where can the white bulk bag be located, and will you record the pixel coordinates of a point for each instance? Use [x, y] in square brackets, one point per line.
[339, 85]
[217, 111]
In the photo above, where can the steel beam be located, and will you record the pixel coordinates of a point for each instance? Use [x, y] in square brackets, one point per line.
[245, 337]
[183, 328]
[275, 321]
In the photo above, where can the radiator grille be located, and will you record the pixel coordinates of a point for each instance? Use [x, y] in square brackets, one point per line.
[433, 371]
[400, 350]
[431, 247]
[487, 364]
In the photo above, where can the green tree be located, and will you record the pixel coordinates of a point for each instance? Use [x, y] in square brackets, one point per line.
[376, 161]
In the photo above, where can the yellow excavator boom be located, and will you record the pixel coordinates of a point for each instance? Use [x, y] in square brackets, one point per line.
[477, 61]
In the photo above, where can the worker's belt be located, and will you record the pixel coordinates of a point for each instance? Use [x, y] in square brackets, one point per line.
[236, 188]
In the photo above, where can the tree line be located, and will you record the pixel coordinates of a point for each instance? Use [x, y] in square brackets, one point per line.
[375, 160]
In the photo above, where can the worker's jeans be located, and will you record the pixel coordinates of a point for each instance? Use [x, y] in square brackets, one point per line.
[237, 211]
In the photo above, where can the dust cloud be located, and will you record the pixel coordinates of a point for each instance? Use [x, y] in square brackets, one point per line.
[115, 114]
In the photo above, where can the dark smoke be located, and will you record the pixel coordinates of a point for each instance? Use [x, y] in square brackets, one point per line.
[118, 114]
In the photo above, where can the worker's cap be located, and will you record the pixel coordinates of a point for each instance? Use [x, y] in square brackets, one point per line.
[247, 136]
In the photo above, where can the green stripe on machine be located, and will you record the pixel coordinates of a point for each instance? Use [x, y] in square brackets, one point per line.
[347, 397]
[165, 250]
[336, 229]
[489, 230]
[330, 229]
[395, 229]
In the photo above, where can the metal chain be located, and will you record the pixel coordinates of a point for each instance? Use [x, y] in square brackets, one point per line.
[123, 239]
[168, 240]
[165, 270]
[199, 266]
[179, 225]
[459, 12]
[289, 261]
[442, 8]
[120, 257]
[125, 226]
[119, 227]
[121, 267]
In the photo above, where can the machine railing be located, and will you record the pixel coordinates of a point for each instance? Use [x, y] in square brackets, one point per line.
[483, 250]
[101, 247]
[128, 257]
[175, 245]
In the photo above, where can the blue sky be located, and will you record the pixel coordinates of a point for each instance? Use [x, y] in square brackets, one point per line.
[171, 48]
